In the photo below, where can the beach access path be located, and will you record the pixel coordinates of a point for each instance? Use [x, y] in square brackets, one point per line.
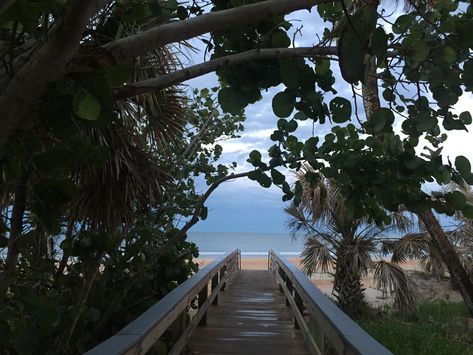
[251, 318]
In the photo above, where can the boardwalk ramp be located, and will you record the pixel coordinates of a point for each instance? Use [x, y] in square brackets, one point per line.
[251, 318]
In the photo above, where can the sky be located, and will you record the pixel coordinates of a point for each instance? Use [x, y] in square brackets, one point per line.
[242, 205]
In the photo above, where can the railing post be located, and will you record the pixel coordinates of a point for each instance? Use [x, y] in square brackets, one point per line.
[290, 288]
[201, 300]
[223, 271]
[179, 326]
[283, 277]
[300, 307]
[317, 334]
[213, 287]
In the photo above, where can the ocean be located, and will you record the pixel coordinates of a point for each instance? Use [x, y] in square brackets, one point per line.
[250, 244]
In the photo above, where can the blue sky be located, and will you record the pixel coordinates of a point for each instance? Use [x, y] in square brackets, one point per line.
[242, 205]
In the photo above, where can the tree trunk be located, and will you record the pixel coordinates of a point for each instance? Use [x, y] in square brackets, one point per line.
[347, 287]
[14, 240]
[449, 257]
[90, 275]
[371, 103]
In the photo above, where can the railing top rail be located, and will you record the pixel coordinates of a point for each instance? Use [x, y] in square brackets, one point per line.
[356, 340]
[154, 321]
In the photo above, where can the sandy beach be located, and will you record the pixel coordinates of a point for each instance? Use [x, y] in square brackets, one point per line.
[428, 288]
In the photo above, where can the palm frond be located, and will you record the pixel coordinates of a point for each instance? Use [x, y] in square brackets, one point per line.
[316, 257]
[128, 180]
[358, 251]
[161, 115]
[393, 280]
[412, 245]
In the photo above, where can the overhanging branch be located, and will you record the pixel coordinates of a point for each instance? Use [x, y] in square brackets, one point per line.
[47, 65]
[218, 63]
[156, 37]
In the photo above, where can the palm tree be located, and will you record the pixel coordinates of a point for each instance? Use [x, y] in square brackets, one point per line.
[336, 239]
[420, 245]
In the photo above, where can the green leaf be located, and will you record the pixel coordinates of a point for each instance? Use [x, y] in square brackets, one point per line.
[380, 119]
[228, 99]
[86, 106]
[449, 55]
[56, 159]
[182, 13]
[289, 73]
[255, 158]
[465, 117]
[283, 104]
[264, 180]
[457, 199]
[204, 213]
[351, 56]
[379, 43]
[310, 147]
[277, 177]
[291, 126]
[426, 123]
[279, 39]
[420, 52]
[301, 116]
[340, 109]
[468, 211]
[92, 314]
[323, 67]
[119, 74]
[463, 165]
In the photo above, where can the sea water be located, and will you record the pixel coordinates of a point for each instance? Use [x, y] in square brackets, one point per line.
[250, 244]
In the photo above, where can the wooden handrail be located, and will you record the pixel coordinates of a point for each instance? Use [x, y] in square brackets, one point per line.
[326, 320]
[141, 334]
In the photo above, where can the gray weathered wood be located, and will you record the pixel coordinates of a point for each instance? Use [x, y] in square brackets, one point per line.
[251, 319]
[341, 331]
[140, 335]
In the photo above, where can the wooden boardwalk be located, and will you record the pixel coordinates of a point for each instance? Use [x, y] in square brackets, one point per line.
[251, 318]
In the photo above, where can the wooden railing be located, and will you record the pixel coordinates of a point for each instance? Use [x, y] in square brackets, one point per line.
[171, 312]
[318, 318]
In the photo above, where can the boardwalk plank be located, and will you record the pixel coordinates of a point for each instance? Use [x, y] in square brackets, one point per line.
[251, 318]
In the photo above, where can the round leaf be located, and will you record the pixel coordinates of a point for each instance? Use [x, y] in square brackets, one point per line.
[463, 165]
[227, 98]
[86, 106]
[283, 104]
[340, 109]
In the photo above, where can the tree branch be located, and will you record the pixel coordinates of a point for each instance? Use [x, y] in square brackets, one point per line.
[197, 70]
[45, 66]
[144, 42]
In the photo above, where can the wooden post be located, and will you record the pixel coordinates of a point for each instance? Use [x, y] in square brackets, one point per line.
[316, 332]
[223, 270]
[283, 277]
[201, 300]
[289, 287]
[179, 326]
[213, 287]
[300, 307]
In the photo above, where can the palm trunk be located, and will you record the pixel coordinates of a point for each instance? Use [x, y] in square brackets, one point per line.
[449, 257]
[14, 240]
[347, 287]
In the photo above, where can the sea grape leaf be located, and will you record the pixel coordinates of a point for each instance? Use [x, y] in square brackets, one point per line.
[283, 104]
[351, 56]
[86, 106]
[340, 109]
[463, 165]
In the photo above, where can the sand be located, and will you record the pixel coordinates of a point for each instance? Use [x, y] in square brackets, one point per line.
[429, 289]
